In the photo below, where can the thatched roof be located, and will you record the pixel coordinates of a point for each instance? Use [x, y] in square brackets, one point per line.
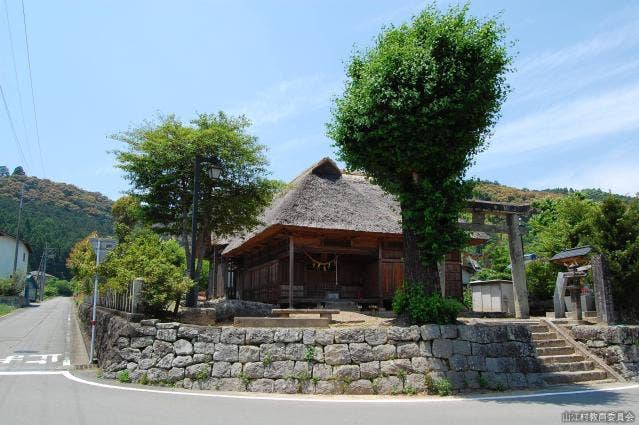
[323, 197]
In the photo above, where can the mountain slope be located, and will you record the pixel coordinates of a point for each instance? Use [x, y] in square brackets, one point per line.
[57, 213]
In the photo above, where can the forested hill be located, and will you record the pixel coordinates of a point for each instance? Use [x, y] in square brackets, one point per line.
[57, 213]
[493, 191]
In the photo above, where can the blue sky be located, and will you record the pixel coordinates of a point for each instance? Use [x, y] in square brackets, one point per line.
[572, 118]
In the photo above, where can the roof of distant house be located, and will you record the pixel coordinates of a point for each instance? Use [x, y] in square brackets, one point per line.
[27, 244]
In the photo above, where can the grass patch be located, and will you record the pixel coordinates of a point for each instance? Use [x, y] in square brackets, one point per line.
[123, 376]
[6, 309]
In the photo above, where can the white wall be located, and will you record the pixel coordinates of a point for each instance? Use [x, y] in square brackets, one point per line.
[7, 250]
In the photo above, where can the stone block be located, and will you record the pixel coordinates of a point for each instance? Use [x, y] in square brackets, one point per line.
[148, 322]
[448, 331]
[230, 384]
[202, 358]
[249, 353]
[295, 351]
[477, 363]
[403, 333]
[325, 336]
[226, 353]
[209, 334]
[327, 387]
[261, 386]
[337, 354]
[346, 372]
[458, 363]
[388, 385]
[123, 342]
[495, 380]
[130, 354]
[519, 333]
[197, 371]
[425, 348]
[169, 335]
[285, 386]
[175, 374]
[279, 369]
[516, 380]
[384, 352]
[273, 352]
[162, 348]
[167, 325]
[406, 350]
[157, 375]
[308, 336]
[429, 332]
[141, 341]
[204, 347]
[369, 370]
[394, 367]
[472, 379]
[259, 336]
[182, 347]
[287, 335]
[322, 371]
[303, 370]
[147, 331]
[415, 382]
[375, 336]
[442, 348]
[182, 361]
[360, 352]
[254, 370]
[232, 336]
[349, 335]
[221, 370]
[236, 370]
[461, 347]
[166, 362]
[147, 363]
[187, 332]
[500, 364]
[457, 379]
[478, 349]
[360, 387]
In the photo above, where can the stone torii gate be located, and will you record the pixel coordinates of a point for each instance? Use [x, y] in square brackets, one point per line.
[511, 213]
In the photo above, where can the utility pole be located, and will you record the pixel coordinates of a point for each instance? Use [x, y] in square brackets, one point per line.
[15, 255]
[43, 282]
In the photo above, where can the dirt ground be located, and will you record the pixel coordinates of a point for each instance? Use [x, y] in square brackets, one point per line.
[353, 318]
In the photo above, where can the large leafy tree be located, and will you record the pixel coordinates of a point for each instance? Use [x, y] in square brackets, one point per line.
[417, 106]
[158, 161]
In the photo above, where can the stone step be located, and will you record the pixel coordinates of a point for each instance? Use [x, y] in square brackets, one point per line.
[543, 343]
[570, 358]
[570, 366]
[557, 378]
[538, 336]
[538, 328]
[554, 351]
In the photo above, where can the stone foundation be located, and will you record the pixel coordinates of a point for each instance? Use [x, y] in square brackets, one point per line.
[371, 360]
[618, 346]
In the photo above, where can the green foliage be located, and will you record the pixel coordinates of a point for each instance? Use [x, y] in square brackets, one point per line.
[412, 301]
[439, 386]
[468, 297]
[541, 276]
[159, 263]
[309, 353]
[483, 382]
[616, 235]
[57, 214]
[202, 374]
[4, 171]
[144, 379]
[6, 309]
[58, 288]
[417, 107]
[18, 171]
[123, 376]
[158, 161]
[495, 261]
[12, 286]
[127, 213]
[81, 263]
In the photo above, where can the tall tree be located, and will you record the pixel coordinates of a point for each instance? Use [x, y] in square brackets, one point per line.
[158, 161]
[19, 171]
[417, 107]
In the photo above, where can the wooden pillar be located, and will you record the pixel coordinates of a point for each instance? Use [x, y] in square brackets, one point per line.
[291, 270]
[516, 249]
[380, 271]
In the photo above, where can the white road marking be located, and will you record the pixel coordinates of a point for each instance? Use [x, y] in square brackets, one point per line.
[72, 377]
[43, 358]
[67, 345]
[32, 372]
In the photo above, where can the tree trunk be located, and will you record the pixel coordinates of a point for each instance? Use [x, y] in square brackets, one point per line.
[414, 269]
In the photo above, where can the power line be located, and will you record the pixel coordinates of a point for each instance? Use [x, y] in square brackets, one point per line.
[13, 128]
[15, 74]
[35, 115]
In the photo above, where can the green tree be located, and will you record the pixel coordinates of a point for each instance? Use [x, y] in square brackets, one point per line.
[417, 107]
[19, 171]
[159, 263]
[158, 161]
[616, 235]
[4, 171]
[81, 262]
[127, 213]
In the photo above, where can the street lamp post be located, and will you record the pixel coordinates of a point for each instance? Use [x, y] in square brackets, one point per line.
[213, 171]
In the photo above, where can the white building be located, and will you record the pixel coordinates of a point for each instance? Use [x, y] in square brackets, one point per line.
[7, 253]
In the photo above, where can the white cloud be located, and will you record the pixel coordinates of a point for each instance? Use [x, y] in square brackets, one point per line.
[570, 122]
[288, 98]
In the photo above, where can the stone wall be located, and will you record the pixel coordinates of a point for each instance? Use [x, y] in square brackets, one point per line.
[383, 360]
[617, 345]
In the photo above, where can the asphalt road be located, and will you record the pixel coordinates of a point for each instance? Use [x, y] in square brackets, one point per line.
[47, 394]
[41, 337]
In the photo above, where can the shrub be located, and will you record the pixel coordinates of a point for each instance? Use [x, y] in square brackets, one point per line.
[12, 286]
[6, 309]
[58, 287]
[123, 376]
[412, 302]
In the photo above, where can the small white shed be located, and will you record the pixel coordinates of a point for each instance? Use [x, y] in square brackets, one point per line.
[493, 296]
